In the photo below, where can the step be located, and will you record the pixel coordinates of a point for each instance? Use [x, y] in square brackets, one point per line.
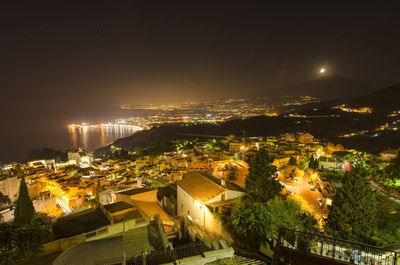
[241, 260]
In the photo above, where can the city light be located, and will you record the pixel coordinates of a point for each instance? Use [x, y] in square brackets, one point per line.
[197, 203]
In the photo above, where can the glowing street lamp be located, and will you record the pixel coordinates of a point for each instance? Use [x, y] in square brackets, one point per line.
[328, 202]
[243, 148]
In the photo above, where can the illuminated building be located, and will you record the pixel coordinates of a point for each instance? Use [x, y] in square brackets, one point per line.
[198, 193]
[9, 186]
[305, 138]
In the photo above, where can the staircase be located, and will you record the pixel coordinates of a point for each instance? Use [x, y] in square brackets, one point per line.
[240, 260]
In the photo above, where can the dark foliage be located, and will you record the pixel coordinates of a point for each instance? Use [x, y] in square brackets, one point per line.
[47, 153]
[261, 183]
[24, 210]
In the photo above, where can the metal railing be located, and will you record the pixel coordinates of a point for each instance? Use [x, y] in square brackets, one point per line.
[337, 249]
[160, 256]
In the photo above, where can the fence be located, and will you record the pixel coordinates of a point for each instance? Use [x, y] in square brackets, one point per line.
[336, 249]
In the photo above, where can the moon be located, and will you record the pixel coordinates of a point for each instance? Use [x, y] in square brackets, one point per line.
[322, 70]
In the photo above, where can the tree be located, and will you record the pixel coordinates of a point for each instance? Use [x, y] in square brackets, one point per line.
[292, 161]
[388, 220]
[261, 183]
[304, 162]
[352, 215]
[313, 163]
[22, 242]
[392, 171]
[24, 210]
[254, 223]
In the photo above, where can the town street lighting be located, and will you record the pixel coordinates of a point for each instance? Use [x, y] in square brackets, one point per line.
[243, 148]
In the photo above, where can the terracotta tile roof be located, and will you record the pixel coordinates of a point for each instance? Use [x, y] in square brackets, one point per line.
[200, 187]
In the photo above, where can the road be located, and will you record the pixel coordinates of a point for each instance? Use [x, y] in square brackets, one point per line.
[302, 188]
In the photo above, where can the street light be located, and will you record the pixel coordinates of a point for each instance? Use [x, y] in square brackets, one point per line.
[243, 148]
[328, 202]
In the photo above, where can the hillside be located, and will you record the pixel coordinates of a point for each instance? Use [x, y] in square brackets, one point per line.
[323, 128]
[321, 120]
[384, 100]
[331, 87]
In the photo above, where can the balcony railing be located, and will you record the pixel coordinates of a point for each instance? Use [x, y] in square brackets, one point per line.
[336, 249]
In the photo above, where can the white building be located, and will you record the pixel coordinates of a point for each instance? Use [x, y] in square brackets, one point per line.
[107, 196]
[200, 196]
[9, 185]
[45, 203]
[80, 158]
[389, 154]
[329, 163]
[49, 163]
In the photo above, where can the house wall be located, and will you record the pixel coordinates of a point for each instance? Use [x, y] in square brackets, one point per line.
[7, 215]
[149, 196]
[229, 194]
[45, 204]
[326, 165]
[122, 197]
[10, 187]
[199, 213]
[188, 206]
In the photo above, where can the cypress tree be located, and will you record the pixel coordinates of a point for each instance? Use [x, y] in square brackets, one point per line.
[24, 210]
[261, 183]
[312, 162]
[352, 215]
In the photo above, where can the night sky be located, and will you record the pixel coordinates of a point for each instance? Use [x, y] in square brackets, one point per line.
[113, 52]
[73, 61]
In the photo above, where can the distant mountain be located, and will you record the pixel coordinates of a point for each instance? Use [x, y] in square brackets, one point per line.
[384, 100]
[331, 87]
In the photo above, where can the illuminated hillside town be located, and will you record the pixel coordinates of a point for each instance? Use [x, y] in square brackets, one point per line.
[199, 133]
[191, 197]
[187, 188]
[197, 112]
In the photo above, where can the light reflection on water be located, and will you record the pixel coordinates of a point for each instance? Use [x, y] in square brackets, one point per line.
[93, 137]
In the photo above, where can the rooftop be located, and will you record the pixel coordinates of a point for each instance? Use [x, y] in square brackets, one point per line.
[82, 222]
[118, 206]
[134, 191]
[131, 243]
[200, 187]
